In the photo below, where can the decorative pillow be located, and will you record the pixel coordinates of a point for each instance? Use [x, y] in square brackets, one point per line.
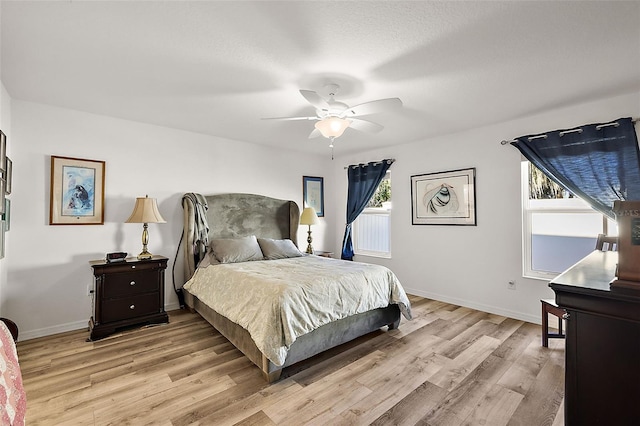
[232, 250]
[278, 249]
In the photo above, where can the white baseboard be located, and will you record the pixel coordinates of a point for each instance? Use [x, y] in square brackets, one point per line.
[475, 305]
[71, 326]
[55, 329]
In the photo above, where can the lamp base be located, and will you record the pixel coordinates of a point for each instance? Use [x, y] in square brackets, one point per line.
[309, 240]
[145, 255]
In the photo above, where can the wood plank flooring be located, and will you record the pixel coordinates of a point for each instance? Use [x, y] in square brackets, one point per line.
[448, 366]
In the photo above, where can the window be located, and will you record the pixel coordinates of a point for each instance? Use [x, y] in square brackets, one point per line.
[559, 229]
[371, 230]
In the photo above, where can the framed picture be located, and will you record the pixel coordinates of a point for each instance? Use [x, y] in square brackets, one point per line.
[77, 191]
[3, 186]
[8, 172]
[6, 216]
[3, 153]
[313, 193]
[444, 198]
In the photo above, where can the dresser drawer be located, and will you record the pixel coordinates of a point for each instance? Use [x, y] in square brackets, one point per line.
[130, 307]
[130, 283]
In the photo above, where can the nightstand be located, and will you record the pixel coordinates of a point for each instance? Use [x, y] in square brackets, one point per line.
[323, 253]
[127, 293]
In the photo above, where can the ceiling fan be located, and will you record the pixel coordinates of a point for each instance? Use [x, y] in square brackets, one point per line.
[334, 117]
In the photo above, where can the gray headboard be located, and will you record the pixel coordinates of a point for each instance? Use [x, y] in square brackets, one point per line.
[239, 215]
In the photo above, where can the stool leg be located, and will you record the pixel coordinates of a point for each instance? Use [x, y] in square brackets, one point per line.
[545, 326]
[560, 326]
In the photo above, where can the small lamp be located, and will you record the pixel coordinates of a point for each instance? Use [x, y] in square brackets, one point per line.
[145, 211]
[309, 217]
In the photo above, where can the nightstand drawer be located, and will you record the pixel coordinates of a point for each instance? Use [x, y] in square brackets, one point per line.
[127, 284]
[130, 307]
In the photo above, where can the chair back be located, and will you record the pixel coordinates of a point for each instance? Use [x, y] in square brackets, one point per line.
[606, 243]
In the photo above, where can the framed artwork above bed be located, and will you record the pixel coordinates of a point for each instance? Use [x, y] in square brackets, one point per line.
[313, 193]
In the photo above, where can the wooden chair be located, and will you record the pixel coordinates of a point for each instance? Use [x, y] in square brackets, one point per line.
[603, 243]
[549, 307]
[606, 243]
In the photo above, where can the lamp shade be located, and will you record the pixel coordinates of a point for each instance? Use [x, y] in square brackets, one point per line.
[309, 216]
[145, 211]
[332, 127]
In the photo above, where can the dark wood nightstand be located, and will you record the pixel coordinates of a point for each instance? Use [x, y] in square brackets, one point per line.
[323, 253]
[127, 293]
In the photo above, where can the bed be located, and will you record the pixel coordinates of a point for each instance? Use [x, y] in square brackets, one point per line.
[245, 218]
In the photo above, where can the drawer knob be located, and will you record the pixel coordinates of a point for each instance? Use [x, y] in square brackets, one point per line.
[132, 307]
[132, 283]
[133, 266]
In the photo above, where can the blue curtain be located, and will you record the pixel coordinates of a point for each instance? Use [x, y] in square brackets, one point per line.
[600, 163]
[363, 182]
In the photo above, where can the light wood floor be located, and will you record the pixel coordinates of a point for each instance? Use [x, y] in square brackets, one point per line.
[449, 366]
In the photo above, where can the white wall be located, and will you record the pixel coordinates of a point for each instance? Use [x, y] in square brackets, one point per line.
[471, 265]
[47, 270]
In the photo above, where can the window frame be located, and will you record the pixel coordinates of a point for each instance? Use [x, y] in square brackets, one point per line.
[531, 207]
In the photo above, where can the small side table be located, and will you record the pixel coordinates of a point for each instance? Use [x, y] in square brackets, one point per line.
[323, 253]
[127, 293]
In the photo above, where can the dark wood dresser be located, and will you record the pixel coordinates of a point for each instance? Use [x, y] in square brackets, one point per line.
[127, 293]
[602, 378]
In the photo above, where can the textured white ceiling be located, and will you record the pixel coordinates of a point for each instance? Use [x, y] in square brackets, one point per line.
[219, 67]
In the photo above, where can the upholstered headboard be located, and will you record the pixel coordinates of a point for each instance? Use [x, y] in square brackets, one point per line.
[238, 215]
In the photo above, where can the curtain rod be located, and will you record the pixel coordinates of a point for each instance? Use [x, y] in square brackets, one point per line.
[390, 161]
[577, 129]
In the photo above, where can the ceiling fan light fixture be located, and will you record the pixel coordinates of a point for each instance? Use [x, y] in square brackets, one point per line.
[332, 127]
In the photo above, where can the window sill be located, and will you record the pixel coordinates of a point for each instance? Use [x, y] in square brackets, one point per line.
[379, 255]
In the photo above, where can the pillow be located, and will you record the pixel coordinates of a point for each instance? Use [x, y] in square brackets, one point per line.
[234, 250]
[278, 249]
[208, 259]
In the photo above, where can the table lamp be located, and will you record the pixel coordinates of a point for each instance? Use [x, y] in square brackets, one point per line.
[309, 217]
[145, 211]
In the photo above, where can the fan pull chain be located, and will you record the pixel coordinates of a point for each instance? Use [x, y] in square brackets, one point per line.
[331, 146]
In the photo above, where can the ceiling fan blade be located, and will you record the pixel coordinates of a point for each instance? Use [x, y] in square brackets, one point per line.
[314, 99]
[314, 134]
[290, 118]
[372, 107]
[365, 125]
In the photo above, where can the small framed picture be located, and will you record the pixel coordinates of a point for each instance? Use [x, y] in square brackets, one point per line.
[3, 185]
[8, 172]
[3, 153]
[444, 198]
[313, 193]
[6, 216]
[77, 191]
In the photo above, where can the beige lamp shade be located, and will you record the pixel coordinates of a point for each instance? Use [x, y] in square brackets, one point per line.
[309, 216]
[145, 211]
[332, 127]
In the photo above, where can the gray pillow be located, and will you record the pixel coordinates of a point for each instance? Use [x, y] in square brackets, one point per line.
[278, 249]
[232, 250]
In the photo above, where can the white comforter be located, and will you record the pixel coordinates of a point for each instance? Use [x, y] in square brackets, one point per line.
[277, 301]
